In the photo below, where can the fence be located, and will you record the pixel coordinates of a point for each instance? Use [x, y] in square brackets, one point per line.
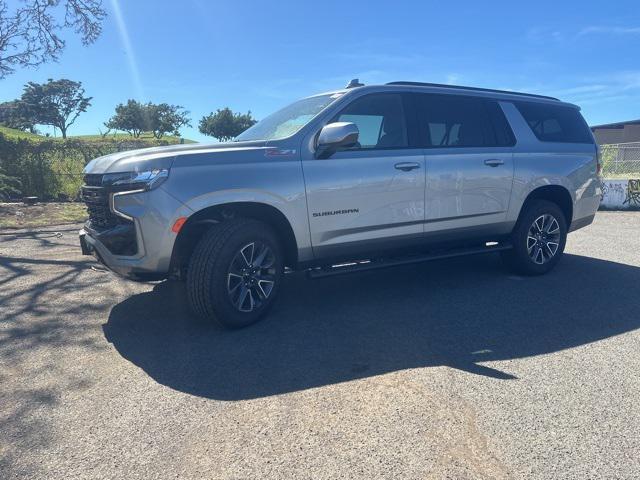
[621, 161]
[51, 169]
[620, 176]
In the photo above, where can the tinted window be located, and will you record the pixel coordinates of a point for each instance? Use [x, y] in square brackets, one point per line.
[555, 123]
[380, 120]
[454, 121]
[504, 134]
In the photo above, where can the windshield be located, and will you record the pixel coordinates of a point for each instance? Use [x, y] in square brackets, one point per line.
[289, 120]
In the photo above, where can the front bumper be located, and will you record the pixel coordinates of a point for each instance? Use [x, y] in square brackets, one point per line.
[128, 267]
[152, 215]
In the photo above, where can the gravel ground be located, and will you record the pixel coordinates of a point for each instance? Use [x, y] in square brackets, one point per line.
[21, 216]
[450, 369]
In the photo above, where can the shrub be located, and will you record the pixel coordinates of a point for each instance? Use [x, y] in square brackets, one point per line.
[50, 168]
[9, 186]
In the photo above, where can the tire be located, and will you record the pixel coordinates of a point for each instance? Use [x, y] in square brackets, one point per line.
[533, 239]
[224, 266]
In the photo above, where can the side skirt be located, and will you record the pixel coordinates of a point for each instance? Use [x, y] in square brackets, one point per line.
[362, 265]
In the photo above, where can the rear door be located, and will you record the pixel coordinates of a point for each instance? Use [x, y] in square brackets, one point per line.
[372, 196]
[469, 161]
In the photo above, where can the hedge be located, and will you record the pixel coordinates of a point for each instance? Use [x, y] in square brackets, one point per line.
[51, 169]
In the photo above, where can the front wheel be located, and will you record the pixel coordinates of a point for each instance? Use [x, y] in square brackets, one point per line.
[538, 239]
[235, 272]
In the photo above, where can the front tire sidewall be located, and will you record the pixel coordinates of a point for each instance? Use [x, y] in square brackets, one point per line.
[226, 312]
[518, 258]
[209, 267]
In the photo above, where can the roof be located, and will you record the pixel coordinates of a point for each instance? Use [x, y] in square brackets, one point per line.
[476, 89]
[506, 95]
[616, 125]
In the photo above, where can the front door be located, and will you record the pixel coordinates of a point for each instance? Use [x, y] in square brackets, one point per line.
[369, 197]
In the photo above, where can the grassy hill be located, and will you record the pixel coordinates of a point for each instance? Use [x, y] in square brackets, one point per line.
[12, 134]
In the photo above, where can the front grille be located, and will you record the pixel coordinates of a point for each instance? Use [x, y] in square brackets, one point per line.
[96, 198]
[97, 201]
[117, 234]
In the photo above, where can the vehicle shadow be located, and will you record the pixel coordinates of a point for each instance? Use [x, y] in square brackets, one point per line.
[454, 313]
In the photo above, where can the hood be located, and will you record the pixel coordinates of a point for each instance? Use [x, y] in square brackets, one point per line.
[160, 157]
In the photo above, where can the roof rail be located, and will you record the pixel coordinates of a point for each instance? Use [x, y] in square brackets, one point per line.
[477, 89]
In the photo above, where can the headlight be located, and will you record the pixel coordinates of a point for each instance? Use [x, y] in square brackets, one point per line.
[147, 180]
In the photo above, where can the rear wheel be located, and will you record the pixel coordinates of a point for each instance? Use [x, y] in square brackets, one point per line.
[538, 239]
[235, 272]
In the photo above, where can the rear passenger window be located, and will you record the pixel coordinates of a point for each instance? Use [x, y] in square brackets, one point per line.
[454, 121]
[555, 123]
[380, 120]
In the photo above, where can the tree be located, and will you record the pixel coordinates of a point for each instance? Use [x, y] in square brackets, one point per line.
[165, 118]
[129, 118]
[16, 114]
[30, 32]
[159, 119]
[225, 124]
[57, 103]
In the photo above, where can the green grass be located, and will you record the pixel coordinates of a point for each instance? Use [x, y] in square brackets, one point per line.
[13, 134]
[120, 137]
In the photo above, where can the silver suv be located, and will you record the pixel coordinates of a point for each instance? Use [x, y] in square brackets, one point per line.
[360, 178]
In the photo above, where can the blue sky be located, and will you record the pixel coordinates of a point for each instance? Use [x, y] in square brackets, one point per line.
[258, 56]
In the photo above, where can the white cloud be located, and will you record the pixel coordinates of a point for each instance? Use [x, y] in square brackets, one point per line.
[610, 30]
[546, 35]
[542, 34]
[452, 79]
[380, 59]
[597, 89]
[590, 89]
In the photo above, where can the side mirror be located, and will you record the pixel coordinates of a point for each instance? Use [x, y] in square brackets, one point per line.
[335, 136]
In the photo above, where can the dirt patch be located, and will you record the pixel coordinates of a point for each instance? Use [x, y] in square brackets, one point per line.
[19, 215]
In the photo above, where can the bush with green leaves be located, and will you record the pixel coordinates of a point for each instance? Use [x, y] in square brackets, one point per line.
[17, 115]
[9, 187]
[52, 168]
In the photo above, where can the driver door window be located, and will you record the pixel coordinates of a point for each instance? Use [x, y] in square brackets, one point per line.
[380, 120]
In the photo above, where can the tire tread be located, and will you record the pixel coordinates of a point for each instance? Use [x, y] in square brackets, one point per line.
[204, 260]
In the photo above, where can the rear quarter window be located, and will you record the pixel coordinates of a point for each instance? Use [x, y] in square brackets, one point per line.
[555, 123]
[503, 132]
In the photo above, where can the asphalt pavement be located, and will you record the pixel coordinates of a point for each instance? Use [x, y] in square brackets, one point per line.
[450, 369]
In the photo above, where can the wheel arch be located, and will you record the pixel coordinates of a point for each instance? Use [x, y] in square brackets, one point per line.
[202, 220]
[557, 194]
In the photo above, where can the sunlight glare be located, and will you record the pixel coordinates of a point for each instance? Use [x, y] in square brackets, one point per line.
[129, 52]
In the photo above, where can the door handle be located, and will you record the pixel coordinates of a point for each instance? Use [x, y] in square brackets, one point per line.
[407, 166]
[494, 162]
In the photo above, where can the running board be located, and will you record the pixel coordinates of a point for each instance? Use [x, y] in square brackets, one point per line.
[363, 265]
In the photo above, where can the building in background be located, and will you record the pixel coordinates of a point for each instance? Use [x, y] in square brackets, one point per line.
[621, 132]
